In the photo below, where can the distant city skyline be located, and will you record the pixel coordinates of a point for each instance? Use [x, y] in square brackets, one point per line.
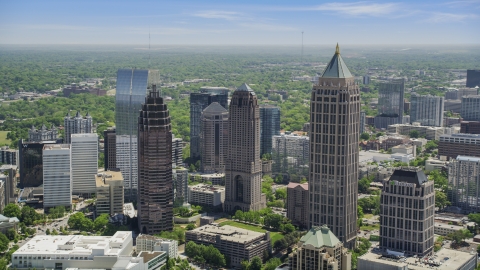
[249, 23]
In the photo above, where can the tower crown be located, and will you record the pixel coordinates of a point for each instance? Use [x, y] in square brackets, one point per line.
[336, 68]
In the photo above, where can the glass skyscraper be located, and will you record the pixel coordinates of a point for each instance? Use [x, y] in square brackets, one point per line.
[131, 90]
[269, 127]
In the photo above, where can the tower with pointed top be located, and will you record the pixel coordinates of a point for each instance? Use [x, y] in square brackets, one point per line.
[243, 168]
[155, 182]
[334, 134]
[76, 125]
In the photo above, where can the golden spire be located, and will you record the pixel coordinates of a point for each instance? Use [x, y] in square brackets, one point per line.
[337, 50]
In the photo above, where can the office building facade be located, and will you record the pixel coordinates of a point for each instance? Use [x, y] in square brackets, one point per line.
[199, 102]
[181, 185]
[131, 90]
[177, 151]
[31, 163]
[363, 116]
[57, 176]
[206, 195]
[269, 127]
[473, 78]
[407, 208]
[470, 110]
[76, 125]
[243, 177]
[427, 110]
[110, 148]
[9, 156]
[320, 249]
[42, 134]
[453, 145]
[214, 138]
[155, 180]
[84, 162]
[290, 152]
[464, 183]
[470, 127]
[297, 204]
[110, 194]
[390, 103]
[335, 131]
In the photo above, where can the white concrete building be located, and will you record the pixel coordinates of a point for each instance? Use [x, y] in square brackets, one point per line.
[434, 164]
[147, 242]
[84, 162]
[206, 195]
[57, 176]
[73, 251]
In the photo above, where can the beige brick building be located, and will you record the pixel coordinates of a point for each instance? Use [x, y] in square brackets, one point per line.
[297, 204]
[214, 138]
[110, 193]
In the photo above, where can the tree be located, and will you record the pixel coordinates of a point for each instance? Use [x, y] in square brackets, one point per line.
[3, 242]
[11, 234]
[273, 220]
[12, 210]
[281, 193]
[280, 244]
[414, 134]
[239, 215]
[256, 264]
[245, 265]
[460, 235]
[441, 199]
[288, 228]
[101, 222]
[365, 136]
[47, 232]
[475, 218]
[29, 215]
[272, 264]
[190, 226]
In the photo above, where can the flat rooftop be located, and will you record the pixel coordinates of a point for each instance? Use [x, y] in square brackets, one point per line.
[228, 233]
[108, 176]
[365, 156]
[447, 258]
[75, 244]
[206, 188]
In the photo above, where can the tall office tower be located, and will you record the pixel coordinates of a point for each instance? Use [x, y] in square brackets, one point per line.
[198, 103]
[470, 110]
[177, 151]
[110, 148]
[297, 204]
[464, 183]
[335, 127]
[57, 175]
[155, 181]
[243, 168]
[428, 110]
[390, 103]
[84, 163]
[131, 90]
[473, 78]
[181, 185]
[407, 208]
[363, 116]
[31, 163]
[214, 138]
[366, 79]
[42, 134]
[269, 127]
[76, 125]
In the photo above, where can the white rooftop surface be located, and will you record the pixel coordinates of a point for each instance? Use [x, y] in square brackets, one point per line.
[75, 244]
[229, 233]
[455, 260]
[367, 156]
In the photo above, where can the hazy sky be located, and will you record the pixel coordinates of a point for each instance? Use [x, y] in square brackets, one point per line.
[239, 22]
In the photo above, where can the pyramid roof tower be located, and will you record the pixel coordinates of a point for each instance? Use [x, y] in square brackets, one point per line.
[244, 87]
[319, 237]
[336, 68]
[214, 108]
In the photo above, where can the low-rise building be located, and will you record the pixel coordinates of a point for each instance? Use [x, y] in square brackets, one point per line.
[8, 223]
[236, 243]
[73, 251]
[146, 260]
[471, 127]
[407, 149]
[446, 229]
[147, 242]
[459, 144]
[217, 179]
[320, 249]
[297, 203]
[430, 133]
[435, 164]
[446, 259]
[110, 192]
[207, 195]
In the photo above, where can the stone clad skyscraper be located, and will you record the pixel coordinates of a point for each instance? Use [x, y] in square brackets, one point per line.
[214, 138]
[334, 134]
[155, 181]
[243, 170]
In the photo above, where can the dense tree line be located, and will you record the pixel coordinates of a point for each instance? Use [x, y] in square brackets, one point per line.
[205, 254]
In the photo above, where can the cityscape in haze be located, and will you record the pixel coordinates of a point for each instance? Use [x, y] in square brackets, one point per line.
[273, 135]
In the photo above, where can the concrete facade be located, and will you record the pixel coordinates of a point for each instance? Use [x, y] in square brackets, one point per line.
[214, 138]
[454, 145]
[206, 195]
[57, 176]
[147, 242]
[110, 193]
[297, 204]
[463, 183]
[427, 110]
[76, 125]
[84, 162]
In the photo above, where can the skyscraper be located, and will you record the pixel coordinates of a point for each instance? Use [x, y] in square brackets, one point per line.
[31, 162]
[269, 127]
[214, 138]
[390, 103]
[464, 183]
[198, 103]
[84, 162]
[131, 90]
[428, 110]
[155, 181]
[473, 78]
[335, 125]
[76, 125]
[110, 148]
[243, 168]
[470, 110]
[57, 175]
